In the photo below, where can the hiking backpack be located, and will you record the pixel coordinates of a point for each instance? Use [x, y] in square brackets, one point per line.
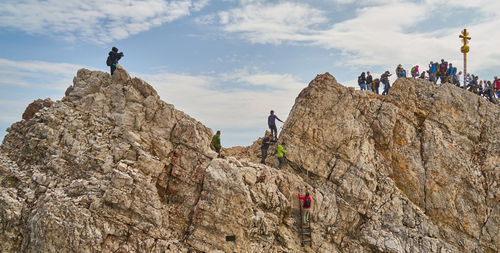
[307, 202]
[108, 61]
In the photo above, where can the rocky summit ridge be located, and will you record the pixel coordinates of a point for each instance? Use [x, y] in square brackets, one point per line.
[112, 168]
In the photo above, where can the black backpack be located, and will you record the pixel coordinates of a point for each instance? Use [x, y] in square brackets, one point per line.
[108, 61]
[307, 202]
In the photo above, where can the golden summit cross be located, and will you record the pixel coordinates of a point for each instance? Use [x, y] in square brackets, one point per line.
[465, 49]
[465, 39]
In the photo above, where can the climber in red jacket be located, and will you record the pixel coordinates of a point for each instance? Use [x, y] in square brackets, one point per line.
[306, 205]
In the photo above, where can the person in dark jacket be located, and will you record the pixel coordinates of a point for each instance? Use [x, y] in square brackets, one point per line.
[113, 58]
[369, 81]
[385, 80]
[265, 146]
[362, 81]
[271, 122]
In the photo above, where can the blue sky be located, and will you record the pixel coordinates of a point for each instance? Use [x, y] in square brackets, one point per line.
[228, 62]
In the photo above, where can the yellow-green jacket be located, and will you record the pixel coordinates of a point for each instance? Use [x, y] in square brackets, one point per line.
[281, 150]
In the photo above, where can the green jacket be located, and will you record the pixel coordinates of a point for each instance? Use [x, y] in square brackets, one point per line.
[281, 150]
[216, 141]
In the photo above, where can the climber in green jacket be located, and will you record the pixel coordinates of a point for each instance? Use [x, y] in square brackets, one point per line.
[280, 154]
[216, 143]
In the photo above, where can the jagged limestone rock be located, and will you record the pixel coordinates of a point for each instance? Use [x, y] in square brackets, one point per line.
[112, 168]
[425, 158]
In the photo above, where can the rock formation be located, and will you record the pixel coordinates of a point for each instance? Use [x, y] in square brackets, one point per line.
[417, 171]
[112, 168]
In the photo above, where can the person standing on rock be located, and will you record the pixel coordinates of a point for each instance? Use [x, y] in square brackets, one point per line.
[113, 58]
[443, 67]
[265, 145]
[280, 154]
[362, 81]
[496, 86]
[216, 143]
[306, 206]
[385, 80]
[369, 81]
[271, 121]
[376, 85]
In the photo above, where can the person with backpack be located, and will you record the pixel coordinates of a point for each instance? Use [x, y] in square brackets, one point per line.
[376, 85]
[490, 93]
[113, 58]
[451, 74]
[473, 85]
[414, 71]
[443, 67]
[362, 81]
[271, 122]
[265, 145]
[281, 152]
[435, 74]
[496, 85]
[306, 206]
[216, 143]
[400, 71]
[385, 80]
[432, 67]
[369, 81]
[480, 88]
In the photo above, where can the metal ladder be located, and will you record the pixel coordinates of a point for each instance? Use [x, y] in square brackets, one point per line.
[305, 229]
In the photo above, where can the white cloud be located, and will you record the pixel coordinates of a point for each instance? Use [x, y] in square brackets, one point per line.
[198, 6]
[245, 104]
[272, 23]
[37, 74]
[380, 33]
[94, 20]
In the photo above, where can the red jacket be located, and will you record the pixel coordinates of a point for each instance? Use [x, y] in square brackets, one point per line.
[304, 200]
[498, 84]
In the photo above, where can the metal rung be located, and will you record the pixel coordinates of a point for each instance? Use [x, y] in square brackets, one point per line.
[306, 240]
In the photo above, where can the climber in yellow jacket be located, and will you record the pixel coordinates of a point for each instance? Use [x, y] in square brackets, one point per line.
[281, 152]
[216, 143]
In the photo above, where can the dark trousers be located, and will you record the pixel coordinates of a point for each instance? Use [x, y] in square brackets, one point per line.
[264, 155]
[218, 152]
[113, 68]
[386, 88]
[274, 130]
[281, 160]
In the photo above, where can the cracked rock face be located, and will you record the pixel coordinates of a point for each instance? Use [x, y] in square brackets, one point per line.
[420, 167]
[112, 168]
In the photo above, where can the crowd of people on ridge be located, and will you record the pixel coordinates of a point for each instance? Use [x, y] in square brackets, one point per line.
[443, 71]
